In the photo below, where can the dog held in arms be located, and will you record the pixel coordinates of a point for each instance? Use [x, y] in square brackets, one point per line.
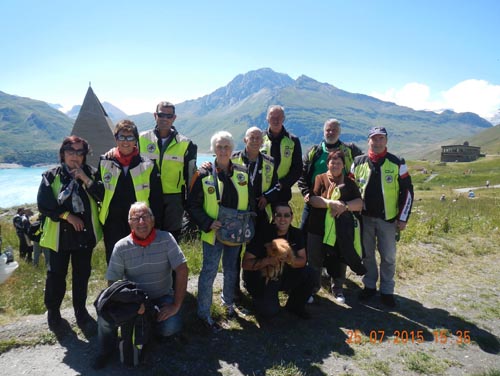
[280, 249]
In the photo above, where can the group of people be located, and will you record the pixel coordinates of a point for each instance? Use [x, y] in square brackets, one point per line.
[137, 196]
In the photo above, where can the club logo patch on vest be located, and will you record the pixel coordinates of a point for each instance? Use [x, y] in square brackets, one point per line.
[151, 148]
[389, 179]
[241, 179]
[288, 152]
[107, 177]
[268, 168]
[211, 190]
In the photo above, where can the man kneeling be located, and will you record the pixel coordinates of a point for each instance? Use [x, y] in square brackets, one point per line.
[147, 257]
[265, 274]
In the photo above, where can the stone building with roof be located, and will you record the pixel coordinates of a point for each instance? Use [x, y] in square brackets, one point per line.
[460, 153]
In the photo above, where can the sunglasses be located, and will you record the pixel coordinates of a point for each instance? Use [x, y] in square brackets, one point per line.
[121, 137]
[72, 152]
[163, 115]
[282, 215]
[139, 218]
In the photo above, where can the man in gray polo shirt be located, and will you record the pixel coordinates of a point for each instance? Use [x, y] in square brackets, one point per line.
[147, 257]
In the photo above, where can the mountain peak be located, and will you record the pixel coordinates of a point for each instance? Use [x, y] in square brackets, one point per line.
[244, 85]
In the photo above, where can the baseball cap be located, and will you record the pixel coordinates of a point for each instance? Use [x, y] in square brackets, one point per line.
[377, 130]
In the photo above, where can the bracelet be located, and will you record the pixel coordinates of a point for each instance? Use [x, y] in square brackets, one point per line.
[346, 206]
[65, 215]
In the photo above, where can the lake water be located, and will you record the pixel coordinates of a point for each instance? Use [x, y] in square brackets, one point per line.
[19, 186]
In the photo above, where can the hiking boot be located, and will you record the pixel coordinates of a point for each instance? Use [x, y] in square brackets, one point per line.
[83, 318]
[367, 293]
[238, 296]
[230, 311]
[388, 300]
[54, 318]
[100, 361]
[299, 312]
[210, 324]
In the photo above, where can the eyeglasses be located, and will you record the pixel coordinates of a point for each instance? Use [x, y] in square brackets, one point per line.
[138, 218]
[163, 115]
[282, 215]
[72, 152]
[121, 137]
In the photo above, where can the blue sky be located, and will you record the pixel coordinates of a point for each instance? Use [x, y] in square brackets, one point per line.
[423, 54]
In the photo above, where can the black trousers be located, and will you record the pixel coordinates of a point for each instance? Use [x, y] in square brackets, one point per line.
[298, 283]
[55, 284]
[25, 252]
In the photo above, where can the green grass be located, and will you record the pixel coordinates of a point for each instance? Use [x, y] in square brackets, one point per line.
[423, 362]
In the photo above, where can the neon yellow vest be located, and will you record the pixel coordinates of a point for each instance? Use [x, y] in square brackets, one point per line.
[210, 204]
[110, 173]
[172, 166]
[267, 176]
[389, 173]
[330, 236]
[323, 157]
[51, 229]
[286, 150]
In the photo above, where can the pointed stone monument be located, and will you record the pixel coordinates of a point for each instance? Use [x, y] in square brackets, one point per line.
[94, 125]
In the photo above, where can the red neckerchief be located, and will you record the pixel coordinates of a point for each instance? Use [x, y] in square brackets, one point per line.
[125, 159]
[376, 157]
[144, 242]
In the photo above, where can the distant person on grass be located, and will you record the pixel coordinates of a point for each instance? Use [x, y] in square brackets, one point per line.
[387, 193]
[21, 223]
[147, 257]
[71, 229]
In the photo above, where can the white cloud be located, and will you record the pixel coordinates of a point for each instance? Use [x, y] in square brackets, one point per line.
[478, 96]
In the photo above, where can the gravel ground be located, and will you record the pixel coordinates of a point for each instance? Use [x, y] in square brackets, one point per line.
[464, 305]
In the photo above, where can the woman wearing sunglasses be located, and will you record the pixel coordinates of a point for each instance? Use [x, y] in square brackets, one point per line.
[71, 229]
[125, 177]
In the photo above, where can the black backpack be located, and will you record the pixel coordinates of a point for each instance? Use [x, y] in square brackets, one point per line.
[34, 232]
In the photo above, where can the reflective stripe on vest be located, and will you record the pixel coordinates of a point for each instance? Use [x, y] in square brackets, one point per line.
[389, 174]
[172, 166]
[51, 229]
[110, 172]
[286, 150]
[330, 237]
[210, 204]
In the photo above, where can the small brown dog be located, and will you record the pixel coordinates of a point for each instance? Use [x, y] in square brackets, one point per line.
[280, 249]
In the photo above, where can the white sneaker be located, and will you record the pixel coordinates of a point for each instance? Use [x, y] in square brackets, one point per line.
[339, 297]
[310, 300]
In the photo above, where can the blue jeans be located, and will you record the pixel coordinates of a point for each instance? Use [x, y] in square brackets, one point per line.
[107, 330]
[379, 234]
[211, 258]
[37, 250]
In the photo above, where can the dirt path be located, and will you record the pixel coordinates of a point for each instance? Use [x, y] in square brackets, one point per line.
[463, 305]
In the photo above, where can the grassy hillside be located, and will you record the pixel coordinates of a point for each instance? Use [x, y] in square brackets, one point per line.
[30, 131]
[489, 140]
